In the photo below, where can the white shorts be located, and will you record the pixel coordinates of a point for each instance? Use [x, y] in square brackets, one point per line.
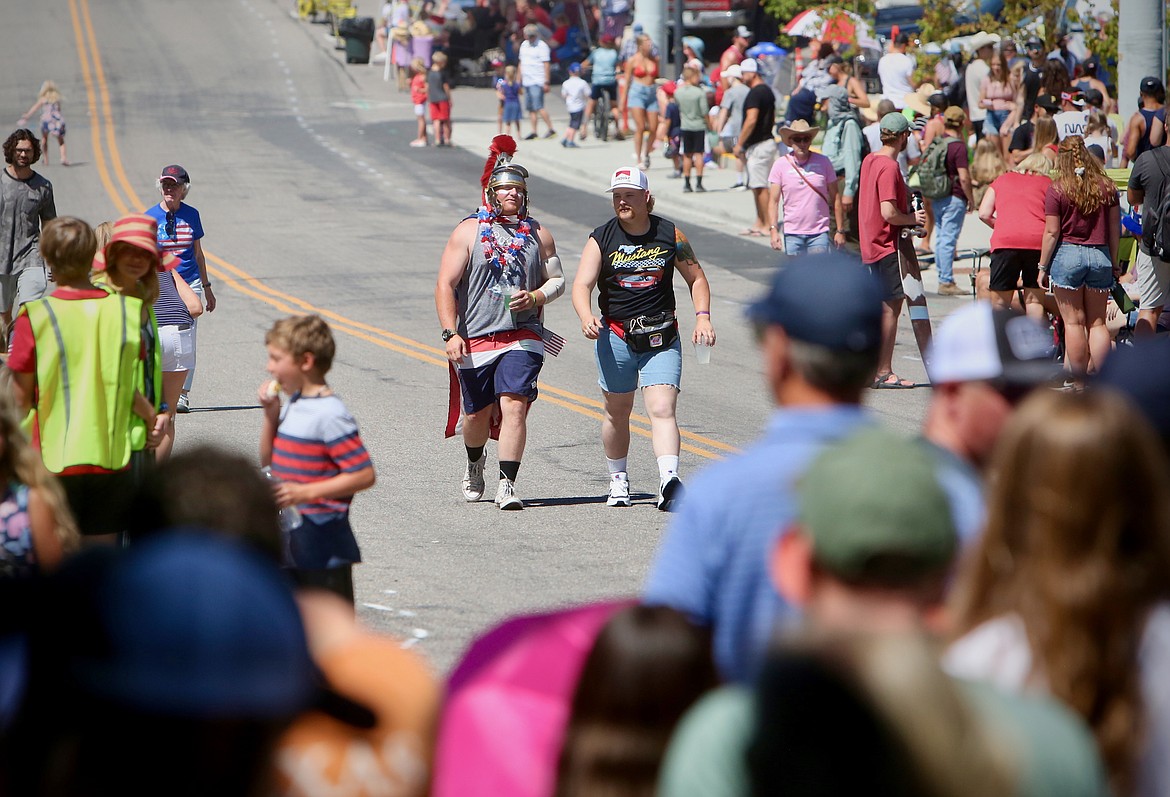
[1153, 279]
[176, 342]
[421, 110]
[759, 158]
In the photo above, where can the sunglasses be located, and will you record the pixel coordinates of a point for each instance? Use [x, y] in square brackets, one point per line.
[801, 139]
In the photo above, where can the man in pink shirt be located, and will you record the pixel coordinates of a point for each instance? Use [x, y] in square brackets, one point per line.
[883, 210]
[806, 183]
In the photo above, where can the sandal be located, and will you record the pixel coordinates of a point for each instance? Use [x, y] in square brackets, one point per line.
[892, 381]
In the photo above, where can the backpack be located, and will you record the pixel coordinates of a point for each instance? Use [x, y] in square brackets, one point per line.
[1157, 239]
[933, 179]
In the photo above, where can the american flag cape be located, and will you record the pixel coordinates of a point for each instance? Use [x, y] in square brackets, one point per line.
[483, 351]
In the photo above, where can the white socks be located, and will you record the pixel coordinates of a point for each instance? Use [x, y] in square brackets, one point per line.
[667, 466]
[616, 465]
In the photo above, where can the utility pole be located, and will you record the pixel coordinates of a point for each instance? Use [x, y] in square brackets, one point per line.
[652, 15]
[1141, 48]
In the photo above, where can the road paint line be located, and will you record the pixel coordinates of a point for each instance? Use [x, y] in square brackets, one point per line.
[245, 283]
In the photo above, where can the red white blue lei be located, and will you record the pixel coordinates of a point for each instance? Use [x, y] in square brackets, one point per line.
[492, 251]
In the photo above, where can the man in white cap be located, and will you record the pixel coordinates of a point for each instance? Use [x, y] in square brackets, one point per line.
[731, 117]
[737, 50]
[632, 260]
[983, 48]
[983, 362]
[756, 145]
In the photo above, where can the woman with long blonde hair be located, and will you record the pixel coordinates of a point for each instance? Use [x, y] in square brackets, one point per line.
[1078, 255]
[1045, 139]
[987, 165]
[1068, 591]
[52, 121]
[642, 98]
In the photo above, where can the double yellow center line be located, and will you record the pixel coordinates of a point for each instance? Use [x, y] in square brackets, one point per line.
[113, 177]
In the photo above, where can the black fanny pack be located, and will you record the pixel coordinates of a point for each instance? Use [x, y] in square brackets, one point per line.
[649, 333]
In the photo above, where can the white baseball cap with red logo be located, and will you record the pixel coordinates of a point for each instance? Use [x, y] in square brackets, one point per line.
[629, 177]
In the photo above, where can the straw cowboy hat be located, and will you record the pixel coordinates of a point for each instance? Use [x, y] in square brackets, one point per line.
[797, 127]
[919, 101]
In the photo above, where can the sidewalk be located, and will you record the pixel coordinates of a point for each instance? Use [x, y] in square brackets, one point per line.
[589, 166]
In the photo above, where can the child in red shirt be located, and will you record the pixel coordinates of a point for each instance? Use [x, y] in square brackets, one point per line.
[418, 96]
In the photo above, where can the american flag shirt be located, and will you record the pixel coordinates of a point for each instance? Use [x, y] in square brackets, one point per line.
[177, 234]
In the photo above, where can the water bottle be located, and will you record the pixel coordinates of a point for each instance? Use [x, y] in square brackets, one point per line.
[290, 516]
[916, 204]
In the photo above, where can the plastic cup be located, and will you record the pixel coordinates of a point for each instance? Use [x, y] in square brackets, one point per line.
[702, 353]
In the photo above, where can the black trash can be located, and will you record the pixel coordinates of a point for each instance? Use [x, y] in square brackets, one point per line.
[358, 34]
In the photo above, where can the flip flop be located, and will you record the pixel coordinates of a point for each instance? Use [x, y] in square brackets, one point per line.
[753, 231]
[892, 381]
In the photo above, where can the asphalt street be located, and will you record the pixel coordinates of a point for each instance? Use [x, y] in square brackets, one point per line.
[313, 202]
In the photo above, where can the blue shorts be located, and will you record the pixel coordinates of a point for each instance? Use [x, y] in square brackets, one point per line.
[511, 110]
[621, 368]
[575, 119]
[994, 122]
[1076, 266]
[534, 98]
[512, 372]
[605, 88]
[642, 96]
[796, 244]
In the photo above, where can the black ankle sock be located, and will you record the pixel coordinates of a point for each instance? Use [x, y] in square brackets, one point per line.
[698, 181]
[687, 182]
[473, 454]
[509, 469]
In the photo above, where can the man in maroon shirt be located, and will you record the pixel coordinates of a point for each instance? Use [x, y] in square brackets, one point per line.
[883, 210]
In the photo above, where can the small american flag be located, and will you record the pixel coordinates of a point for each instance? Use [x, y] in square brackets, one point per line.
[553, 343]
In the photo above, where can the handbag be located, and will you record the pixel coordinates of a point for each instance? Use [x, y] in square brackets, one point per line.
[1124, 303]
[650, 333]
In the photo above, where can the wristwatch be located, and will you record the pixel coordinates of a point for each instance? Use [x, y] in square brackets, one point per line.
[448, 334]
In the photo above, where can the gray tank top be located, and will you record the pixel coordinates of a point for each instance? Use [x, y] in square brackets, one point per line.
[486, 288]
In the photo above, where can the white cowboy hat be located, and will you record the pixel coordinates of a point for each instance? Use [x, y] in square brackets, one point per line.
[982, 39]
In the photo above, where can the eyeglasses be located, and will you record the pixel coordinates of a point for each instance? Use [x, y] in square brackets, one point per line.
[801, 139]
[170, 225]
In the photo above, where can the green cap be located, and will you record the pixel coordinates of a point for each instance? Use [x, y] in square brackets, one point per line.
[876, 495]
[895, 122]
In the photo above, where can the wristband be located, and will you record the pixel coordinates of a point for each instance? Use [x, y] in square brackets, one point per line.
[702, 312]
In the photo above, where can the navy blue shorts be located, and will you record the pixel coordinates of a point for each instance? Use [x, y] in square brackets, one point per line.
[512, 372]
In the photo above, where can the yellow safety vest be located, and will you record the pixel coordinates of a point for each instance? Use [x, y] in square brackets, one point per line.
[150, 377]
[87, 370]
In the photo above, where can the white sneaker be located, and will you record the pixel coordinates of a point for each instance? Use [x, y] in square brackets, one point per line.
[619, 490]
[506, 497]
[473, 485]
[669, 493]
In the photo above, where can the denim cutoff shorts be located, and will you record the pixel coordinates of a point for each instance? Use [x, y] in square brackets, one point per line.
[1077, 266]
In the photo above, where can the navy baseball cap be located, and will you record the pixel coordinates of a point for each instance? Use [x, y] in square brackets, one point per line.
[175, 172]
[829, 300]
[1139, 371]
[199, 625]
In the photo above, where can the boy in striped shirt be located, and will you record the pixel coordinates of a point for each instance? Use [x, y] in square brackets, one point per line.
[315, 451]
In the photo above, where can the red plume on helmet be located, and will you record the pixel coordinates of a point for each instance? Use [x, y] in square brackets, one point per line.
[501, 145]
